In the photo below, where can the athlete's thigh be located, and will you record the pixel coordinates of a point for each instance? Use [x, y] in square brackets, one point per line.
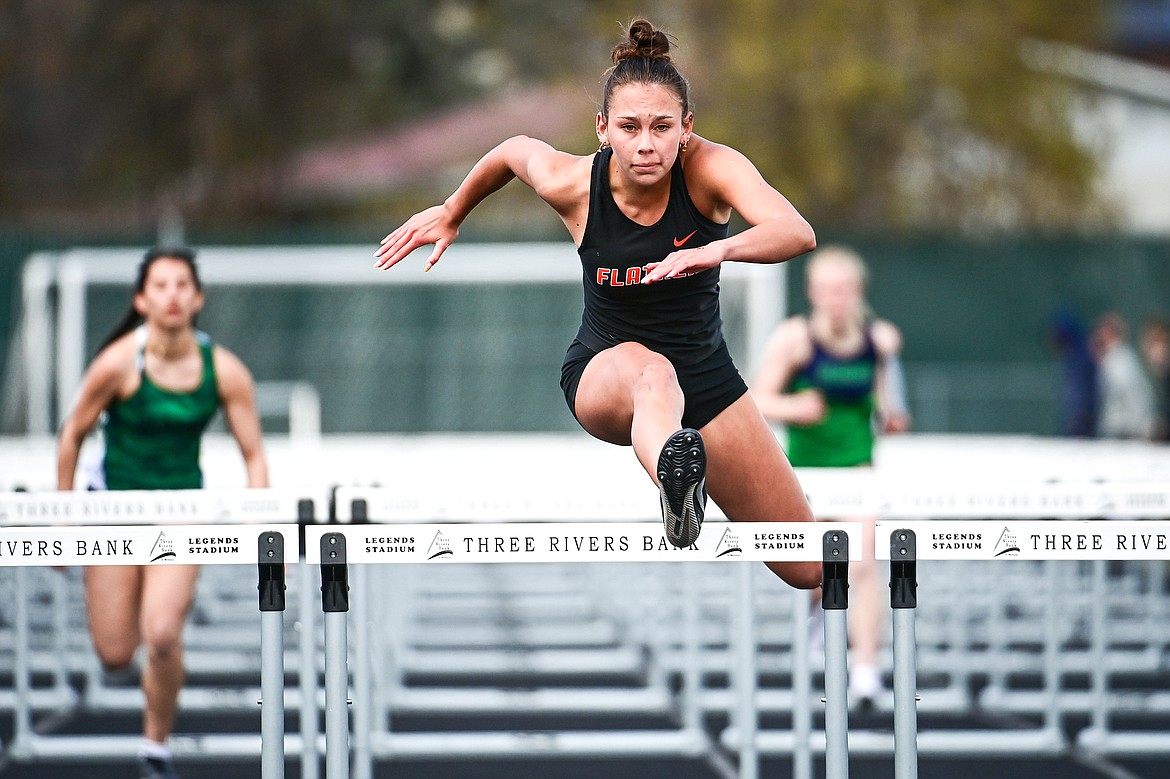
[605, 395]
[167, 594]
[748, 474]
[112, 600]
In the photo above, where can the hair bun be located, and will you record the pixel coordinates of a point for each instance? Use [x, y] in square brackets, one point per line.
[643, 41]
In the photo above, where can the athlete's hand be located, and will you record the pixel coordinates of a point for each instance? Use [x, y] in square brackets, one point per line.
[898, 422]
[432, 226]
[683, 263]
[805, 408]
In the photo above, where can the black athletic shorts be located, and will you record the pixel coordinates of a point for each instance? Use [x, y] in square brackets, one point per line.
[708, 387]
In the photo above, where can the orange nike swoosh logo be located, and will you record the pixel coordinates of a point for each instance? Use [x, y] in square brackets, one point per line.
[680, 241]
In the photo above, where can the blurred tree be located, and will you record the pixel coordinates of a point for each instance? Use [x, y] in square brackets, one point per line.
[903, 113]
[151, 101]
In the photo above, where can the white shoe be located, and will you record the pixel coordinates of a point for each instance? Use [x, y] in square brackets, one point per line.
[865, 684]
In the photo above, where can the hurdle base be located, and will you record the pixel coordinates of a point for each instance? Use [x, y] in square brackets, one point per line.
[685, 743]
[876, 743]
[194, 699]
[1097, 741]
[1037, 701]
[779, 701]
[474, 663]
[89, 748]
[55, 698]
[462, 700]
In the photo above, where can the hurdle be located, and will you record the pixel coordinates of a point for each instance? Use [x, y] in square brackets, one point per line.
[386, 526]
[901, 504]
[855, 494]
[1049, 587]
[155, 528]
[1073, 531]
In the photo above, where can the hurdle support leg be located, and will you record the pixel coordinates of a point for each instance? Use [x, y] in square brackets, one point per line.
[309, 711]
[903, 601]
[802, 764]
[335, 604]
[363, 713]
[745, 677]
[270, 551]
[22, 716]
[835, 602]
[1096, 734]
[307, 658]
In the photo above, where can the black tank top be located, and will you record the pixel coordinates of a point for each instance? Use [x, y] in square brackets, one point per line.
[678, 318]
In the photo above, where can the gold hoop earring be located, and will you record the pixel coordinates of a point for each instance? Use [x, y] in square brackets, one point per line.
[683, 146]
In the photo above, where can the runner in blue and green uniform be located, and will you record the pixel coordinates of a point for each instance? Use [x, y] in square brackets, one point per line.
[832, 378]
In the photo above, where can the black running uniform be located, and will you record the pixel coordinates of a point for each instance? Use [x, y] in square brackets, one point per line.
[677, 318]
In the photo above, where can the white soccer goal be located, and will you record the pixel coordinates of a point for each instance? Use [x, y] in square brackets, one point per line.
[58, 332]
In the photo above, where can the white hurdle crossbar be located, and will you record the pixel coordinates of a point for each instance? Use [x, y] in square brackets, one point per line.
[905, 543]
[983, 506]
[491, 529]
[155, 528]
[959, 520]
[384, 526]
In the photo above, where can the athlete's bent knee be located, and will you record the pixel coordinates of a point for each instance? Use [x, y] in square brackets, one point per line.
[117, 657]
[163, 639]
[657, 376]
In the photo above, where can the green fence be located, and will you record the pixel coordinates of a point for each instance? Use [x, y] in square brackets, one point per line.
[465, 359]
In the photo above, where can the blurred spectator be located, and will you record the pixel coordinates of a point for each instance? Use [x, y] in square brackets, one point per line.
[1068, 338]
[1156, 350]
[1127, 400]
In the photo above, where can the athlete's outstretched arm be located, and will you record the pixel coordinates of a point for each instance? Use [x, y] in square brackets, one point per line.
[99, 388]
[728, 181]
[439, 225]
[788, 350]
[237, 395]
[890, 388]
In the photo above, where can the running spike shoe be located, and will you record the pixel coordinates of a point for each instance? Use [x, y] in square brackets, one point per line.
[682, 486]
[156, 768]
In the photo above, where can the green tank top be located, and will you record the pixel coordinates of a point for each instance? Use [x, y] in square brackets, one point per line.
[152, 438]
[845, 437]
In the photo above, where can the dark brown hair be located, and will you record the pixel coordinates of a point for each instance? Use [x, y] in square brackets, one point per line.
[132, 318]
[644, 58]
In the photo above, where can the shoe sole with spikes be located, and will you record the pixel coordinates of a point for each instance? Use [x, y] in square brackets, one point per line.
[682, 479]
